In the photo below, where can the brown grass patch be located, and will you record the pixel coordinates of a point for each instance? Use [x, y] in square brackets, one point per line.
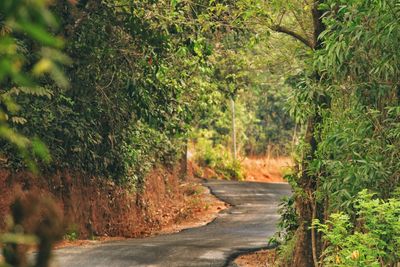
[264, 169]
[262, 258]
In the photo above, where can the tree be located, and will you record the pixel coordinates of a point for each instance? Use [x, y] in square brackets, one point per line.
[153, 59]
[349, 56]
[306, 248]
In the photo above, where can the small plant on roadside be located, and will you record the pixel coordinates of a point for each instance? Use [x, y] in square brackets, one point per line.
[232, 169]
[288, 221]
[208, 155]
[218, 158]
[193, 190]
[71, 234]
[373, 240]
[285, 238]
[285, 252]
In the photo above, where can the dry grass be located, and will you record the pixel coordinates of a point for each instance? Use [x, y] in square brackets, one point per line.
[262, 258]
[264, 169]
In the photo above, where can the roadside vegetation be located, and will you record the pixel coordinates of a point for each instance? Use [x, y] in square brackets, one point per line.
[113, 89]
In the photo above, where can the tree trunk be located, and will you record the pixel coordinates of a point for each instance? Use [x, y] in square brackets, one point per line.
[302, 255]
[305, 205]
[184, 162]
[234, 149]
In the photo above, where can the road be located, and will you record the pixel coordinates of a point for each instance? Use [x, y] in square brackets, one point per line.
[245, 226]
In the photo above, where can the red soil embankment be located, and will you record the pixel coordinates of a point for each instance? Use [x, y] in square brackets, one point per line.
[98, 207]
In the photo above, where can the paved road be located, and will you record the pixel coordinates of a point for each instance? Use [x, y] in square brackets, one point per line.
[245, 226]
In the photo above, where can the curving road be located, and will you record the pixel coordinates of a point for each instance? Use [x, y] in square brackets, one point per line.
[245, 226]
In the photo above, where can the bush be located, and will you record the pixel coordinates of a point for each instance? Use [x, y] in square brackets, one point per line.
[285, 237]
[231, 169]
[288, 222]
[218, 158]
[373, 239]
[206, 154]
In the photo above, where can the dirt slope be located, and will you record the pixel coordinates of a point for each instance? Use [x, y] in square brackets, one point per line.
[245, 226]
[98, 207]
[264, 169]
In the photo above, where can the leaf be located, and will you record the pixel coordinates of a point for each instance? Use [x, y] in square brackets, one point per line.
[39, 34]
[43, 66]
[41, 150]
[20, 239]
[18, 120]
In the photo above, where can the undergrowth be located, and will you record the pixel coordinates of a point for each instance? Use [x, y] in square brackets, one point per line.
[218, 158]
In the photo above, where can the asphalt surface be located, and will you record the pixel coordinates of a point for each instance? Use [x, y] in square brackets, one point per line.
[246, 226]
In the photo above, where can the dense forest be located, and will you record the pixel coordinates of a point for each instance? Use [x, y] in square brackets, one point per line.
[114, 88]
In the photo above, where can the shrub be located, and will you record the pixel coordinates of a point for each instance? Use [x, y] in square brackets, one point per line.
[373, 239]
[218, 158]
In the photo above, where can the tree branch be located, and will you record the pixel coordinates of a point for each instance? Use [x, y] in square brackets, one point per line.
[293, 34]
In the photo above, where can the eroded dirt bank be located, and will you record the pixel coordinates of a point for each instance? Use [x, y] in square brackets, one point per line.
[97, 207]
[245, 226]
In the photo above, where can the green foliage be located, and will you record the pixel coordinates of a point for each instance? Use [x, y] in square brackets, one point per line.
[142, 149]
[359, 134]
[141, 73]
[373, 241]
[285, 252]
[270, 129]
[371, 51]
[232, 169]
[288, 221]
[71, 234]
[359, 151]
[346, 100]
[25, 24]
[260, 93]
[216, 157]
